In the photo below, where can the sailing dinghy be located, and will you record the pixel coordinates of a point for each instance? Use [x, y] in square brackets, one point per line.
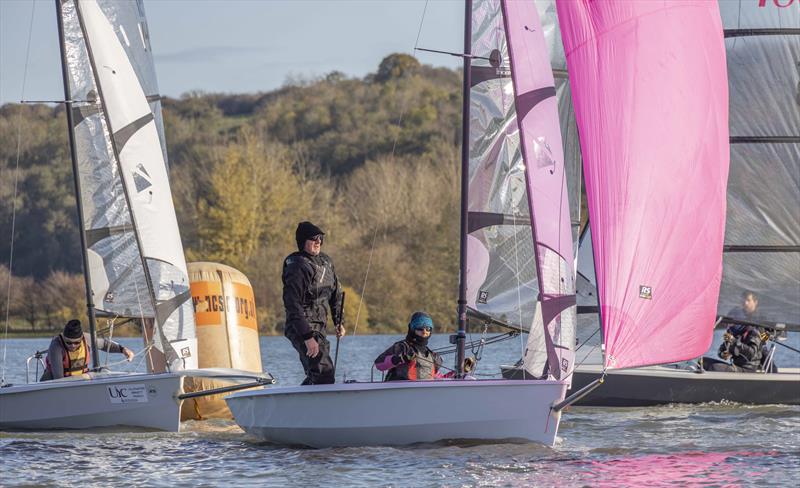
[516, 267]
[133, 259]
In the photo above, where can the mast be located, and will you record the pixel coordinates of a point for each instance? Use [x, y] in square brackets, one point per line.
[461, 335]
[76, 179]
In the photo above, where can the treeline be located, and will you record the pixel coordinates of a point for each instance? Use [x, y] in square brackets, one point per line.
[373, 161]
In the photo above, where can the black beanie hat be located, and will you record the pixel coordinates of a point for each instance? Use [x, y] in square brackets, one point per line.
[304, 232]
[73, 329]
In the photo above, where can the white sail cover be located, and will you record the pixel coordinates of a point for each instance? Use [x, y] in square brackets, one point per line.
[762, 235]
[136, 262]
[517, 188]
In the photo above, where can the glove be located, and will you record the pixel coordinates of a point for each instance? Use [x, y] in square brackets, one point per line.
[724, 350]
[399, 359]
[764, 336]
[728, 337]
[409, 356]
[469, 364]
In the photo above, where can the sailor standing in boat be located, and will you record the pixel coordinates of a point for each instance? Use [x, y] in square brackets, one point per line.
[69, 353]
[310, 290]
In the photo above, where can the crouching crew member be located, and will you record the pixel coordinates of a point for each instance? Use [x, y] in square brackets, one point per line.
[69, 353]
[411, 359]
[742, 345]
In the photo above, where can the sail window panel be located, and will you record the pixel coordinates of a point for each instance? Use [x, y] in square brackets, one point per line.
[558, 281]
[774, 277]
[552, 35]
[80, 79]
[175, 315]
[534, 357]
[764, 81]
[488, 34]
[502, 274]
[572, 154]
[496, 168]
[102, 193]
[586, 282]
[119, 285]
[763, 195]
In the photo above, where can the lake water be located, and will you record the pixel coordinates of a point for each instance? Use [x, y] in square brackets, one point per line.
[701, 445]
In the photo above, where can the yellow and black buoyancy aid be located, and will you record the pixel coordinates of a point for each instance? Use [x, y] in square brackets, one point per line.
[77, 361]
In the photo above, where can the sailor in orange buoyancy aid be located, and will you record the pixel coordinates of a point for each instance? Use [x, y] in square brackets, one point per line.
[69, 353]
[411, 359]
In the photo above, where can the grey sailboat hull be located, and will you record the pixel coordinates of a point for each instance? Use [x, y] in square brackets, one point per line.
[659, 385]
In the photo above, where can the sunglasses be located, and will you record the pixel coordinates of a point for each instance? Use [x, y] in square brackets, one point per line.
[316, 238]
[72, 343]
[429, 329]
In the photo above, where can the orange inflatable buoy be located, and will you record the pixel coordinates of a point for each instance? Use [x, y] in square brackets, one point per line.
[227, 333]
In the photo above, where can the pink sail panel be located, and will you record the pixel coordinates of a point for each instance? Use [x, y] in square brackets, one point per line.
[651, 99]
[540, 138]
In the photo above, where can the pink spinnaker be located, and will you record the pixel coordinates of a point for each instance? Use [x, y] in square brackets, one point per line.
[650, 89]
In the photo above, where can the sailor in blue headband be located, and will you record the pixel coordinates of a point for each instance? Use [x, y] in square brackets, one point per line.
[411, 359]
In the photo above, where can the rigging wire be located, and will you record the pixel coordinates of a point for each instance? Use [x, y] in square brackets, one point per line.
[382, 223]
[14, 200]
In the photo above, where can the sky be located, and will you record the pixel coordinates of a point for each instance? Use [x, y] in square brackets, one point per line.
[239, 46]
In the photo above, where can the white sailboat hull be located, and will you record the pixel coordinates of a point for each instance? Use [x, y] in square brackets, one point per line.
[108, 400]
[147, 401]
[401, 413]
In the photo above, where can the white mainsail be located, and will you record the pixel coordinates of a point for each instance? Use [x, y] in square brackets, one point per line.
[136, 262]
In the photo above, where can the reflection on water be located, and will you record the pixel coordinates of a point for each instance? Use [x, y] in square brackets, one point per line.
[674, 445]
[688, 468]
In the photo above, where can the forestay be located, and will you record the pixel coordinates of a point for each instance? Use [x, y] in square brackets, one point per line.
[651, 99]
[762, 238]
[520, 256]
[136, 262]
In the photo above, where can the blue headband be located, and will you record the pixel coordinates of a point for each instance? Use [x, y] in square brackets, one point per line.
[420, 320]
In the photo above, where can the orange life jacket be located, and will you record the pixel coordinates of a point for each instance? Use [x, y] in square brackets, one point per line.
[78, 365]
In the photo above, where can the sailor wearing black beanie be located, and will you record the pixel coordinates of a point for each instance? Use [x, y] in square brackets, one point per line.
[310, 290]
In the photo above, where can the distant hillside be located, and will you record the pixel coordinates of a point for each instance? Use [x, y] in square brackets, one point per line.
[373, 161]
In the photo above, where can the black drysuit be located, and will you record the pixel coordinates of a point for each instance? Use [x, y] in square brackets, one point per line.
[310, 290]
[745, 350]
